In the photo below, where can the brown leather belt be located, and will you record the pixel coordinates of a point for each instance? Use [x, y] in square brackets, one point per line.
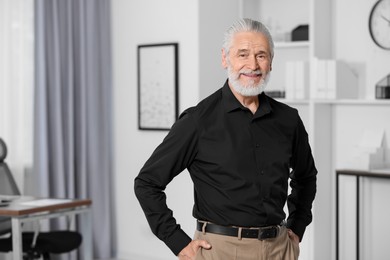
[258, 233]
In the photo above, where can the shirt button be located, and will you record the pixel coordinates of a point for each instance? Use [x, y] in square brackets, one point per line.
[257, 145]
[262, 172]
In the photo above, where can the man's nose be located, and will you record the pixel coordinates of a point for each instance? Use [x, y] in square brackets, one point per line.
[252, 63]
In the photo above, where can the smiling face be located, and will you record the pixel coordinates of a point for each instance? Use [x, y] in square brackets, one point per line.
[248, 62]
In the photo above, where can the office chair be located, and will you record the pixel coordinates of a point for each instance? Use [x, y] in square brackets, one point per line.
[34, 247]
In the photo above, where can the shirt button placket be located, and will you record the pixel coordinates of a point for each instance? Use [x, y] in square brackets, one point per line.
[258, 157]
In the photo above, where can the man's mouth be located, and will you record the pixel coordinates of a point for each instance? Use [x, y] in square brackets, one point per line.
[251, 74]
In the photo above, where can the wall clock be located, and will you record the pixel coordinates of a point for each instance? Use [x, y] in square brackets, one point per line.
[379, 23]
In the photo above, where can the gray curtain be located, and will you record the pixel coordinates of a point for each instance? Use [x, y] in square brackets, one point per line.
[73, 110]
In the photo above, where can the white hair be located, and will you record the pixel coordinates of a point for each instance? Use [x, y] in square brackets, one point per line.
[247, 25]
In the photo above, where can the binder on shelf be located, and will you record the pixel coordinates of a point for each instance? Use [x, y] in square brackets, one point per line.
[297, 80]
[289, 80]
[343, 82]
[334, 79]
[321, 86]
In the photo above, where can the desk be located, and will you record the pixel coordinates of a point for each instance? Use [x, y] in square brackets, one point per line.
[23, 209]
[358, 174]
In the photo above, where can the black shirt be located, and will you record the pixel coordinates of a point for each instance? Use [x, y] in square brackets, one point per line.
[240, 164]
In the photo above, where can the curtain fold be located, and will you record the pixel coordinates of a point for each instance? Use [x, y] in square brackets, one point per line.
[73, 110]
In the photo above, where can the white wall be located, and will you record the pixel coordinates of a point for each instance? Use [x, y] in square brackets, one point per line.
[215, 17]
[134, 23]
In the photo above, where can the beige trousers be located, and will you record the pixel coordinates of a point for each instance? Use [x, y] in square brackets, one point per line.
[233, 248]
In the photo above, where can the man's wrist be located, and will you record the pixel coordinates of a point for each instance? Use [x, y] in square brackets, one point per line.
[178, 241]
[297, 228]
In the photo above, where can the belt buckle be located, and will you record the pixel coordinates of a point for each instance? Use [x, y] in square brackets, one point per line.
[269, 232]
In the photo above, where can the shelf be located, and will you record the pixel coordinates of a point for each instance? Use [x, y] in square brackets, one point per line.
[294, 101]
[370, 102]
[297, 44]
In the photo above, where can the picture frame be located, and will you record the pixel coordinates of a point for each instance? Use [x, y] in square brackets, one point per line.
[157, 86]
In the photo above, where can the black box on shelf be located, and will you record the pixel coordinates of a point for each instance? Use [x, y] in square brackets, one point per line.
[382, 92]
[300, 33]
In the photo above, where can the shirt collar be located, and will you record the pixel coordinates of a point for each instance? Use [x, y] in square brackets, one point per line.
[231, 103]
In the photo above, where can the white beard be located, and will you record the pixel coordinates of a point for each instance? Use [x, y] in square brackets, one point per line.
[251, 89]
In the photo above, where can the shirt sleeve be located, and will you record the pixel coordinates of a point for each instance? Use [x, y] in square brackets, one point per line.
[170, 158]
[303, 182]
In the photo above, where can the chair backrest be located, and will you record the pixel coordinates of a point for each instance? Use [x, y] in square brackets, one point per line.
[7, 186]
[7, 182]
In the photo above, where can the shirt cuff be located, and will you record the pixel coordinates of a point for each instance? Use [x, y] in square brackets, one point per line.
[297, 227]
[178, 241]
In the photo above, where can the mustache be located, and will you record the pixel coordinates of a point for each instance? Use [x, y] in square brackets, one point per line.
[250, 72]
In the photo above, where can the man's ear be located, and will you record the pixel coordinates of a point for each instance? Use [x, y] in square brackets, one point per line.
[224, 58]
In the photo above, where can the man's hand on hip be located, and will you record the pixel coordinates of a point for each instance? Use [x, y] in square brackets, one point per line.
[189, 252]
[294, 237]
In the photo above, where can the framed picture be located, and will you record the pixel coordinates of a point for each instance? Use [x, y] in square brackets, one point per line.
[157, 86]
